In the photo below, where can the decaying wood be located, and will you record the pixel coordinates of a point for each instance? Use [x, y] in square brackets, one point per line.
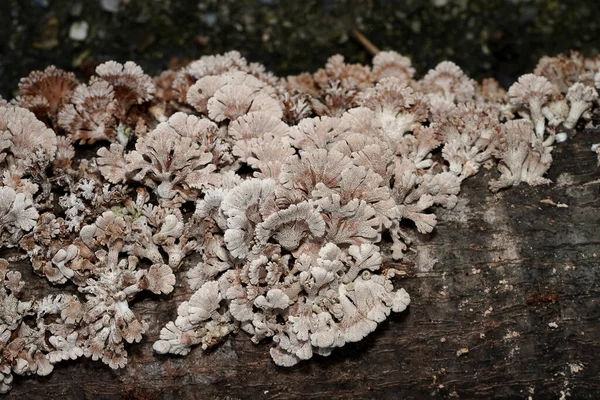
[510, 309]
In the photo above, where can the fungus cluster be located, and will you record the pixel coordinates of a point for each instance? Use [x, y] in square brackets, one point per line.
[270, 195]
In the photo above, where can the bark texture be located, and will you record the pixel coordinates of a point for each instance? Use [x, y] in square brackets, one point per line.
[508, 265]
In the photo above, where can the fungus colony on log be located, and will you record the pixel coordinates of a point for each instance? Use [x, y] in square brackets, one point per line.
[270, 195]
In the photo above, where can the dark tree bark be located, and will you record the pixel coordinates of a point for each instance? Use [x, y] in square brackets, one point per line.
[509, 266]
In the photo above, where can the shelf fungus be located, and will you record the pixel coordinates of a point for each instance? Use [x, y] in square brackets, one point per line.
[106, 108]
[44, 92]
[284, 202]
[521, 160]
[580, 98]
[34, 334]
[529, 95]
[174, 159]
[449, 82]
[326, 298]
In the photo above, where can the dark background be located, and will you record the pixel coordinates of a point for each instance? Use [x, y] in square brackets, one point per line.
[500, 38]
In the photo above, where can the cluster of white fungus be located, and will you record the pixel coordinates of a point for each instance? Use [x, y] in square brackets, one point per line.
[282, 188]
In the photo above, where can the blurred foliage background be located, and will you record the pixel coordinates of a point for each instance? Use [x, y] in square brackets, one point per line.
[499, 38]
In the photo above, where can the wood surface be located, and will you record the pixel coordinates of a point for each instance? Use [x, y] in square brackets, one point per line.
[508, 265]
